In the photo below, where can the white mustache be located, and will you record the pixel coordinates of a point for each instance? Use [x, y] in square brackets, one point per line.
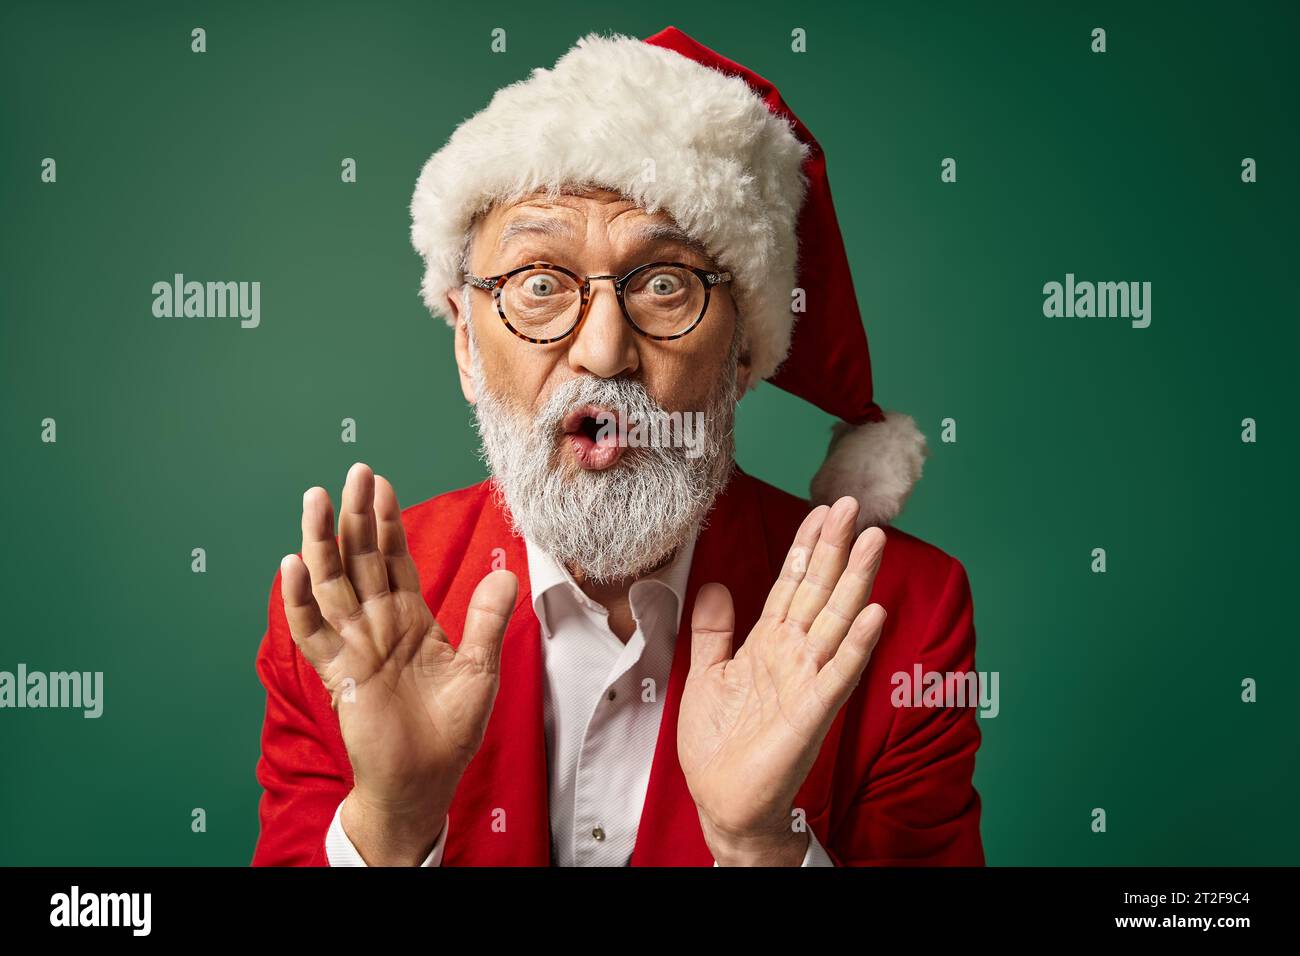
[623, 394]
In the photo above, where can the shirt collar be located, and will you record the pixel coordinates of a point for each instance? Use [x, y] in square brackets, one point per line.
[546, 573]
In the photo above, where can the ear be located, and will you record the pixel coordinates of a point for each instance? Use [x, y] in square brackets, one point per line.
[744, 365]
[744, 369]
[462, 349]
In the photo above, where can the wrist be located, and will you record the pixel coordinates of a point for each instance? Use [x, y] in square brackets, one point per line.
[386, 834]
[773, 846]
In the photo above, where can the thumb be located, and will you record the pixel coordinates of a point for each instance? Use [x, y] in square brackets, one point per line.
[490, 608]
[713, 623]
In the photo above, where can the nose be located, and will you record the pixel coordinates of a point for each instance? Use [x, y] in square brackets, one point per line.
[604, 345]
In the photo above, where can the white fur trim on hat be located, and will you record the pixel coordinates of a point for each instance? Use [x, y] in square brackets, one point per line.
[654, 125]
[877, 463]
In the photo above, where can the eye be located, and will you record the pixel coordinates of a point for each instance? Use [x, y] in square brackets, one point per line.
[541, 285]
[664, 283]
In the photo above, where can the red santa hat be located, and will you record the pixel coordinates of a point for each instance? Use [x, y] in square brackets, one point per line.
[675, 126]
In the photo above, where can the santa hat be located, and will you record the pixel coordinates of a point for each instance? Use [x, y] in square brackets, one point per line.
[673, 125]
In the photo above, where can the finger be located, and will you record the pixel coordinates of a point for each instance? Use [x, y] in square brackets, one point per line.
[713, 624]
[838, 676]
[402, 573]
[850, 596]
[796, 564]
[318, 641]
[826, 565]
[358, 536]
[490, 608]
[320, 552]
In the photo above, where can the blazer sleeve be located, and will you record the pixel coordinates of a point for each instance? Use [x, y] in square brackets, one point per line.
[917, 804]
[303, 768]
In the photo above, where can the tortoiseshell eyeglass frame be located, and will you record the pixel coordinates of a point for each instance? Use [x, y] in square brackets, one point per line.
[495, 284]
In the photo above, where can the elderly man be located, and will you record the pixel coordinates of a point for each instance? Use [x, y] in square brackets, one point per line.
[623, 649]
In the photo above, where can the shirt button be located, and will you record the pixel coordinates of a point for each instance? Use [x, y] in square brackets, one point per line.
[598, 834]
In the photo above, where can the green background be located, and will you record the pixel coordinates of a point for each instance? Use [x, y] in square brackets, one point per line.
[1118, 690]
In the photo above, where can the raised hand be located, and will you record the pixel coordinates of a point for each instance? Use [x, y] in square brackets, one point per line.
[751, 725]
[412, 709]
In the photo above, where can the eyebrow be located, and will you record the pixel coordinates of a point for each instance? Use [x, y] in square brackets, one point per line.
[551, 228]
[664, 232]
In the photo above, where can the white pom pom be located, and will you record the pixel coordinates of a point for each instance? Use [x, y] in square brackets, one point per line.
[877, 463]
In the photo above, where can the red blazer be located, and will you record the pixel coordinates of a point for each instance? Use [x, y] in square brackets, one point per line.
[890, 786]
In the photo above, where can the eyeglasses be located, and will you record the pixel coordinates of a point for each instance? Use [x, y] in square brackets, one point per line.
[543, 303]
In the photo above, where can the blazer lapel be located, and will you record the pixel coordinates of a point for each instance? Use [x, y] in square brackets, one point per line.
[734, 549]
[500, 816]
[731, 550]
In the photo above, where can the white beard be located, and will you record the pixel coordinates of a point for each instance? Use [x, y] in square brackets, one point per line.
[615, 524]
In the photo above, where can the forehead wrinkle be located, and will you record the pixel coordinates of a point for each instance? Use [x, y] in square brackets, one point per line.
[534, 226]
[654, 233]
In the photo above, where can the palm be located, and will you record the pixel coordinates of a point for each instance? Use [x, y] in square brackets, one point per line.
[412, 709]
[750, 718]
[751, 725]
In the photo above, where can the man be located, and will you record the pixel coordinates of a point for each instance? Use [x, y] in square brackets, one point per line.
[623, 649]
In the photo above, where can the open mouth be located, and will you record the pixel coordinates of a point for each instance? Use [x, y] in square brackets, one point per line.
[592, 433]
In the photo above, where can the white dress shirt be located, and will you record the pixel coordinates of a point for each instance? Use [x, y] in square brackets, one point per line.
[602, 704]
